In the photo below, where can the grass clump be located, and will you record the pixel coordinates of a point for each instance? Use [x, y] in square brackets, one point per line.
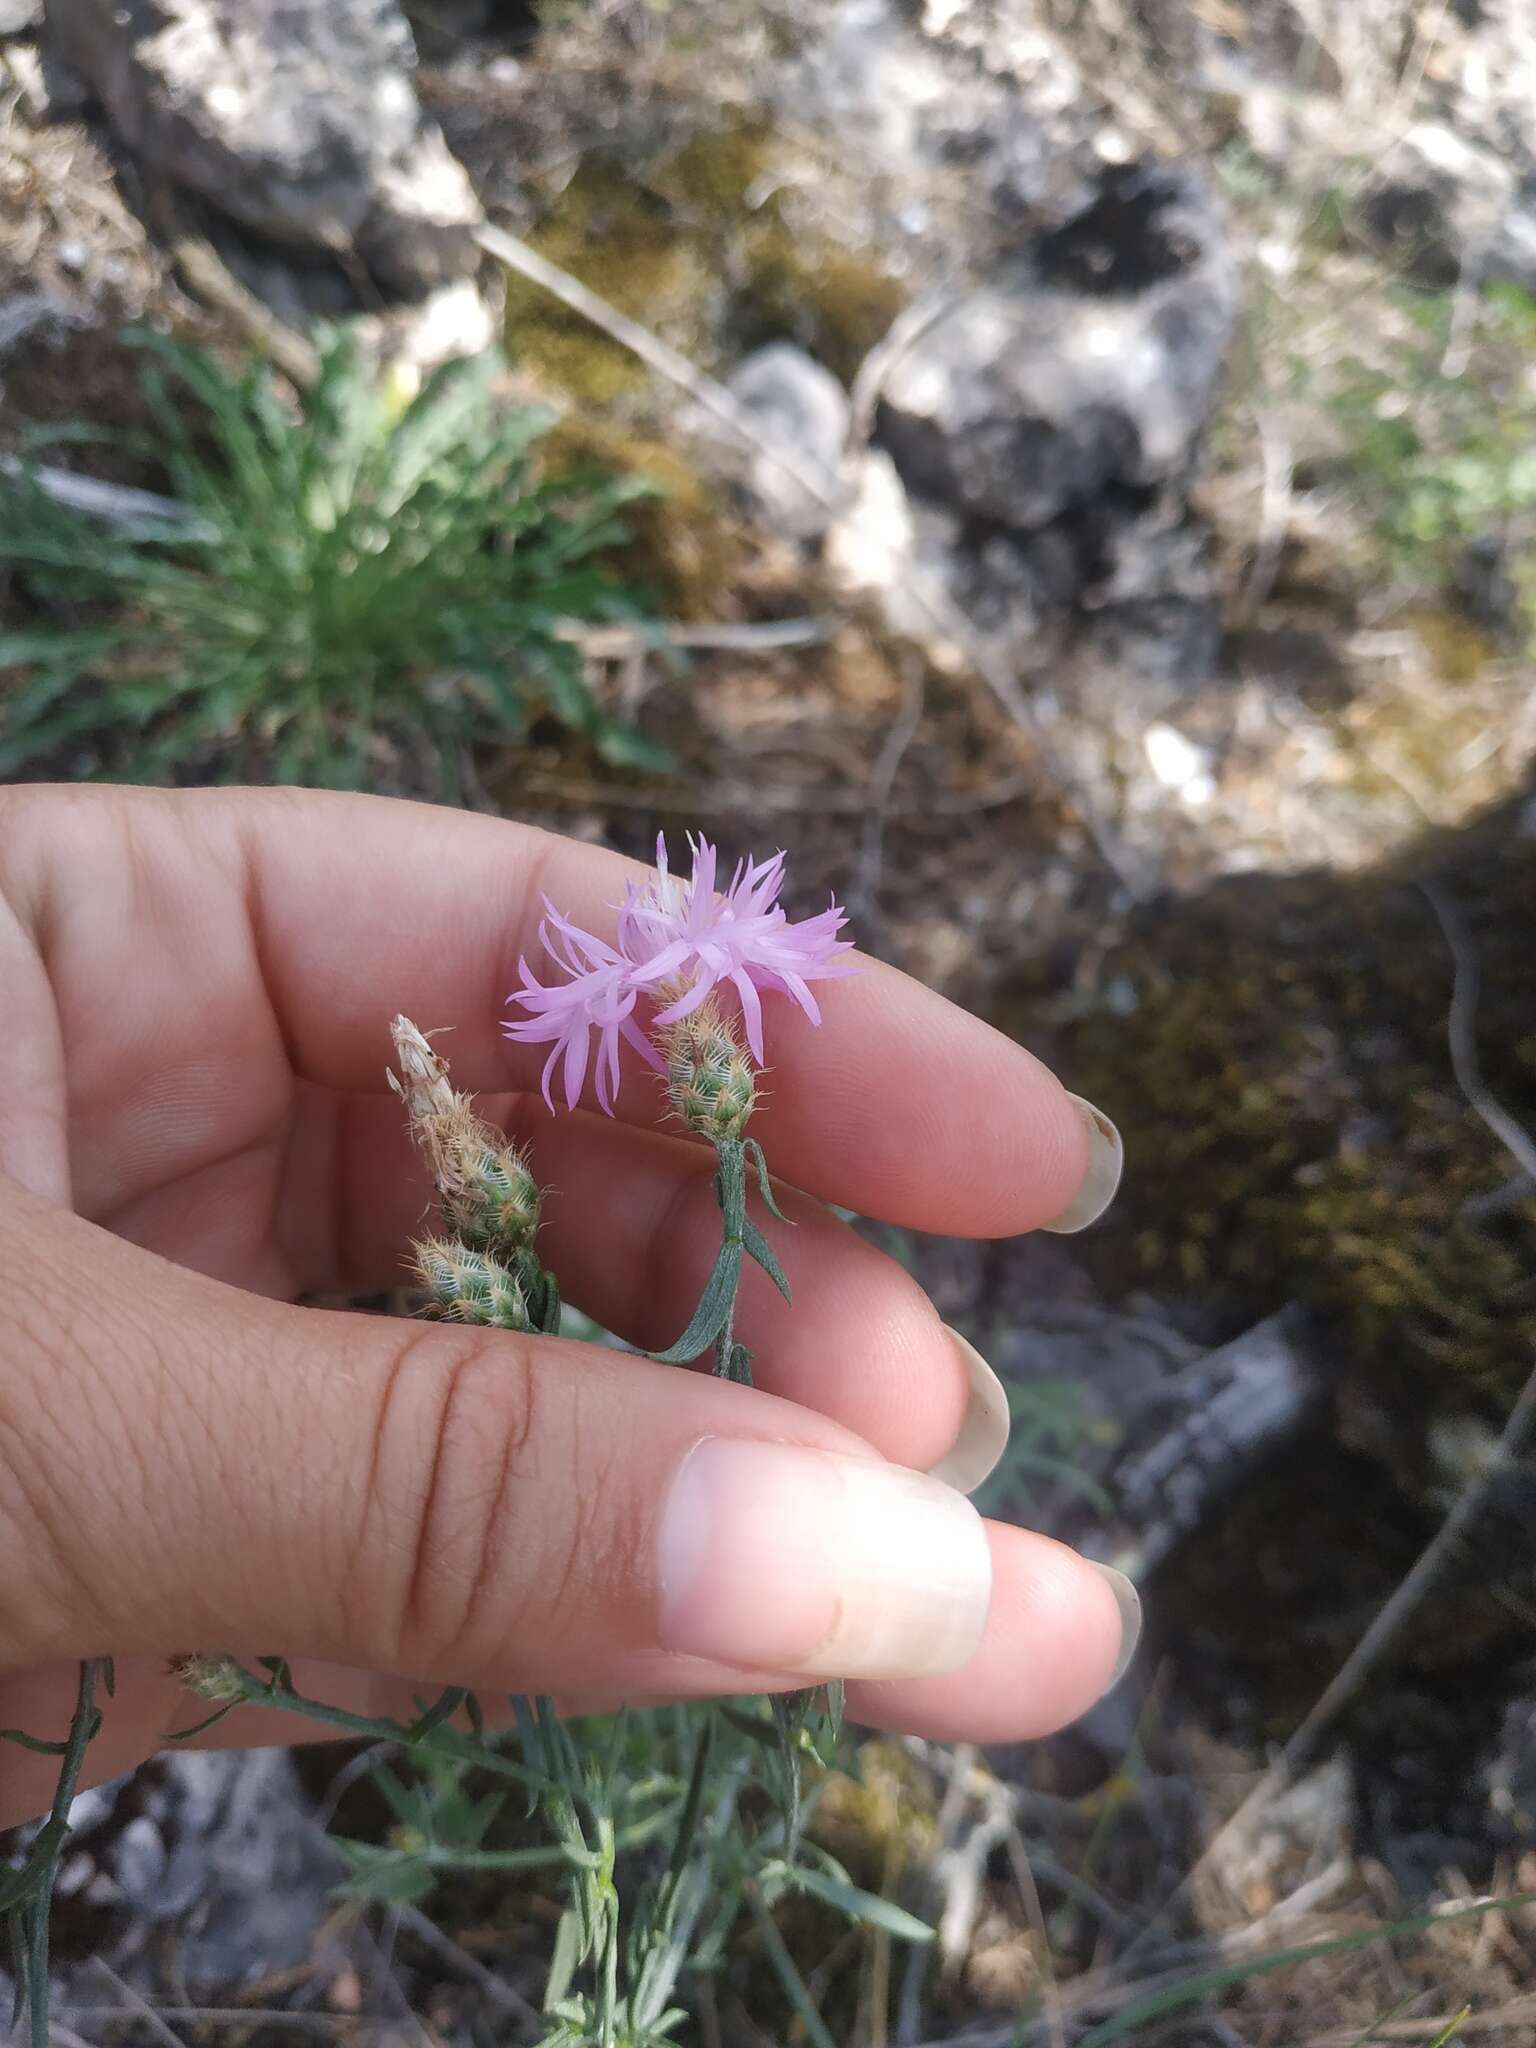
[344, 572]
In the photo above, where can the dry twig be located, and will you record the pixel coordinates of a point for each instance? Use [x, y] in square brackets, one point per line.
[205, 272]
[459, 1959]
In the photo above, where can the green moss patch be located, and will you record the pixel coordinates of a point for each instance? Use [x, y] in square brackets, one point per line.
[1278, 1064]
[710, 244]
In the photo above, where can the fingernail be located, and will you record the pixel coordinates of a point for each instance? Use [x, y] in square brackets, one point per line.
[984, 1429]
[787, 1559]
[1128, 1600]
[1106, 1156]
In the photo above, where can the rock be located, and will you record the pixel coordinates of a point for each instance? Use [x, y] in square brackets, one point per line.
[442, 27]
[1444, 203]
[1036, 442]
[1507, 1772]
[801, 407]
[218, 1845]
[301, 123]
[1088, 367]
[451, 321]
[1130, 1434]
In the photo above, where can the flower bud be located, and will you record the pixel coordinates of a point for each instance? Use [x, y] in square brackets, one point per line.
[489, 1197]
[468, 1286]
[711, 1081]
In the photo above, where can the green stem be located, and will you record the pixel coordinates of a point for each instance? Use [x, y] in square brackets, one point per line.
[30, 1892]
[784, 1969]
[432, 1741]
[632, 1837]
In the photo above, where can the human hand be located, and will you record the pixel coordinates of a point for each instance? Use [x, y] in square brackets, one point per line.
[195, 991]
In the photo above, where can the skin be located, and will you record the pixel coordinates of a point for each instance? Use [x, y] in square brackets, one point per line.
[195, 990]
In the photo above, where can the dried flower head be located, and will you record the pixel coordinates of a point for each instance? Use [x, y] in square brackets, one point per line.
[490, 1198]
[678, 943]
[212, 1678]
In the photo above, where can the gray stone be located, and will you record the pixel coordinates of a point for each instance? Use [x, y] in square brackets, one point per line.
[211, 1856]
[800, 407]
[1087, 368]
[299, 122]
[1444, 205]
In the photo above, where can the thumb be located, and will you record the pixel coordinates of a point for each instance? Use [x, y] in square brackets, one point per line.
[187, 1467]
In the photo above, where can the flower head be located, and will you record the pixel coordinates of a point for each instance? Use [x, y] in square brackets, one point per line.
[677, 943]
[598, 995]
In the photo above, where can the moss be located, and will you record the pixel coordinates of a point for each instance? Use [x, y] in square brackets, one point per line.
[716, 170]
[1458, 648]
[879, 1820]
[624, 242]
[1292, 1124]
[704, 245]
[808, 290]
[683, 543]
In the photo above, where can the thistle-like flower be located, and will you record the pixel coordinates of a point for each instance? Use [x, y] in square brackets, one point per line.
[677, 943]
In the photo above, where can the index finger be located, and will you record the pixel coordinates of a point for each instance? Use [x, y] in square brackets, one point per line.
[898, 1105]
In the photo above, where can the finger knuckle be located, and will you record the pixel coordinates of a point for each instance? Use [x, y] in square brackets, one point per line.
[64, 1462]
[457, 1427]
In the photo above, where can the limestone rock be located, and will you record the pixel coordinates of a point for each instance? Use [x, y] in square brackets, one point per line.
[1446, 204]
[1088, 366]
[800, 406]
[300, 122]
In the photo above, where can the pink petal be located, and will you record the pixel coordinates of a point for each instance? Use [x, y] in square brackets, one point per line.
[751, 1011]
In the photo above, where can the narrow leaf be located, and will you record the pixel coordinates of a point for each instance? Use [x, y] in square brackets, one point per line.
[868, 1907]
[390, 1884]
[33, 1742]
[731, 1184]
[442, 1709]
[562, 1964]
[753, 1726]
[208, 1721]
[757, 1247]
[837, 1693]
[713, 1311]
[739, 1366]
[688, 1820]
[764, 1184]
[784, 1969]
[16, 1928]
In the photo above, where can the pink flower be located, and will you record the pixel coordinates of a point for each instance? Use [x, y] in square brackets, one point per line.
[599, 996]
[678, 942]
[674, 931]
